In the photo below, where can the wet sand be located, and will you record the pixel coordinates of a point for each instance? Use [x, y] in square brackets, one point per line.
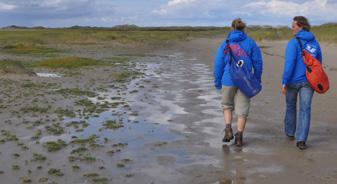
[172, 125]
[268, 157]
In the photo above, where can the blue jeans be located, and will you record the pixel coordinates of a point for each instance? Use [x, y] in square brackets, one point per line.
[300, 129]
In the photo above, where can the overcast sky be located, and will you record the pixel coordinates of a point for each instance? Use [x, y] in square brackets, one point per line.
[64, 13]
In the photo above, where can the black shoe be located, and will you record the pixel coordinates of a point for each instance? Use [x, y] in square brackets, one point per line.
[301, 145]
[228, 134]
[291, 137]
[238, 139]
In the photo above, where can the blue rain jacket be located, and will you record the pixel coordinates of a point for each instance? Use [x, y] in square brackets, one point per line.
[221, 61]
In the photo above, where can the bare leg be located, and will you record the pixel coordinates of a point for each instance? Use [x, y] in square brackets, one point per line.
[228, 117]
[241, 124]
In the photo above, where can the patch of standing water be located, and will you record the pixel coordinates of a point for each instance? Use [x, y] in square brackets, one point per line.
[51, 75]
[144, 121]
[135, 133]
[148, 109]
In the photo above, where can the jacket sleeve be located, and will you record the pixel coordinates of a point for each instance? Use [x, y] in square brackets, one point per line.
[290, 59]
[257, 61]
[219, 65]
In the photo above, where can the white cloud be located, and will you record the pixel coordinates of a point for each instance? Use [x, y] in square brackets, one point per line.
[172, 5]
[311, 8]
[6, 7]
[50, 3]
[163, 12]
[220, 12]
[59, 4]
[179, 2]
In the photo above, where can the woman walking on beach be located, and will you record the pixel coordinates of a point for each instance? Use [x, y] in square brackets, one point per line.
[294, 82]
[232, 97]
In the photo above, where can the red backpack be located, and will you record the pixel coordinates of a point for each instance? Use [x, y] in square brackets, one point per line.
[315, 74]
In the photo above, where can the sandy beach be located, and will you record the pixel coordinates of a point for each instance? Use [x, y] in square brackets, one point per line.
[162, 124]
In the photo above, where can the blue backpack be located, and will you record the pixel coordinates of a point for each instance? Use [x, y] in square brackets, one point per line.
[241, 76]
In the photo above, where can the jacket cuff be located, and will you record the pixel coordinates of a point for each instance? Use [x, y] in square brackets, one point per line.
[218, 86]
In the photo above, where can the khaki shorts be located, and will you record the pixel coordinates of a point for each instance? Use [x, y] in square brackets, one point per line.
[233, 99]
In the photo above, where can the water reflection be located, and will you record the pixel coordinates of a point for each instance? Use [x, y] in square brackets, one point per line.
[234, 171]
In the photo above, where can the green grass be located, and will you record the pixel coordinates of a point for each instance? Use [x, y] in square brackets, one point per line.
[87, 157]
[326, 32]
[125, 75]
[100, 180]
[269, 33]
[55, 172]
[8, 136]
[76, 124]
[35, 109]
[15, 167]
[95, 36]
[90, 140]
[52, 146]
[27, 49]
[323, 33]
[38, 157]
[13, 67]
[67, 63]
[35, 40]
[79, 150]
[54, 129]
[25, 179]
[109, 124]
[81, 154]
[76, 167]
[65, 113]
[43, 180]
[76, 92]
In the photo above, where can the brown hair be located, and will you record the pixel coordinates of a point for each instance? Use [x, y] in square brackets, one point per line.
[302, 22]
[238, 24]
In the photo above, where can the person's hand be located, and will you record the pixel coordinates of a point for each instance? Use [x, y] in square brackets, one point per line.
[284, 89]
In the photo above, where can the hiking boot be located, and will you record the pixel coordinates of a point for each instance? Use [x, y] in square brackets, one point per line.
[228, 134]
[301, 145]
[238, 139]
[291, 137]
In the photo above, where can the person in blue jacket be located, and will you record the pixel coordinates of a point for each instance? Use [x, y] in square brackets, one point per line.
[232, 97]
[294, 82]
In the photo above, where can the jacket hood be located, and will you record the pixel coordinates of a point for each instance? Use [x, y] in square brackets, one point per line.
[236, 36]
[305, 35]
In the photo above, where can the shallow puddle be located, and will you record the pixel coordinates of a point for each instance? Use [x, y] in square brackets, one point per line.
[51, 75]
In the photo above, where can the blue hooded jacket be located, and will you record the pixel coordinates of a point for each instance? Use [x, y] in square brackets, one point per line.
[221, 67]
[294, 67]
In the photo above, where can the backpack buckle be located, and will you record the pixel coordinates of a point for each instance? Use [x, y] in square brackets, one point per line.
[240, 63]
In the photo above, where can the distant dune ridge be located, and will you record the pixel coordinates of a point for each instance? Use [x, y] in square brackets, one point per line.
[325, 32]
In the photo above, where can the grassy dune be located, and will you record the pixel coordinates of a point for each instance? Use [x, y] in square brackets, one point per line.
[323, 33]
[40, 42]
[93, 36]
[32, 40]
[326, 33]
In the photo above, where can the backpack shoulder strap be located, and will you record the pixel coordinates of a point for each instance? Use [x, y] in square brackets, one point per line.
[230, 51]
[300, 44]
[252, 62]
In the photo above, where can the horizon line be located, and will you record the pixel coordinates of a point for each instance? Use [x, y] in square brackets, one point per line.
[137, 26]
